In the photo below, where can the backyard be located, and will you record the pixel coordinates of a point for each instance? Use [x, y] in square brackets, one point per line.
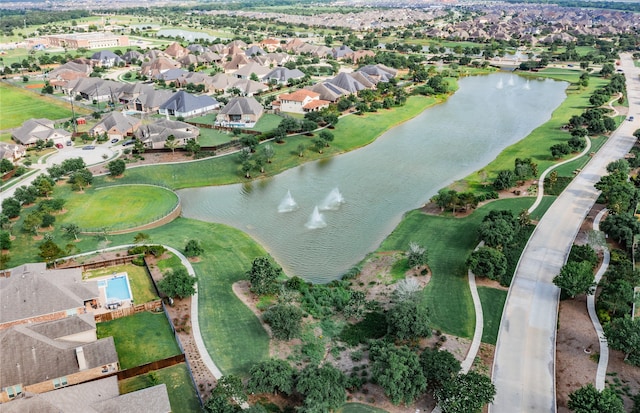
[18, 105]
[152, 329]
[141, 286]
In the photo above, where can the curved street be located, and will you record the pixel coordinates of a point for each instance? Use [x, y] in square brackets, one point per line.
[524, 363]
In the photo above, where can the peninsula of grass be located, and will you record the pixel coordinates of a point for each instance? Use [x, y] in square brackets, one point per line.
[18, 105]
[536, 145]
[182, 394]
[449, 241]
[152, 329]
[118, 207]
[492, 300]
[351, 132]
[141, 286]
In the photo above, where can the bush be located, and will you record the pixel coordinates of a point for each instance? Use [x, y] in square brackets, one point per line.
[373, 326]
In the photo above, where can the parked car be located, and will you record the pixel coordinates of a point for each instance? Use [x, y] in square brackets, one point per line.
[88, 147]
[129, 142]
[114, 140]
[59, 146]
[69, 143]
[630, 118]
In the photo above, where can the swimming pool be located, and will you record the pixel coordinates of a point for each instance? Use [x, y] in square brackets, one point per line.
[116, 288]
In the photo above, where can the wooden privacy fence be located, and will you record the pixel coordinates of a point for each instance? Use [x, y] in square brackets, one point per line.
[127, 311]
[154, 365]
[107, 263]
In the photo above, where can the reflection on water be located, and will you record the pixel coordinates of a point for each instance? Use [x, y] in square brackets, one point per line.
[400, 171]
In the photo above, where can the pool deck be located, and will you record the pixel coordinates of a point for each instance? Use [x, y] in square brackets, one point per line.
[102, 299]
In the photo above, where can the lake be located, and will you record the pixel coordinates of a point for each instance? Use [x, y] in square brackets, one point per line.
[398, 172]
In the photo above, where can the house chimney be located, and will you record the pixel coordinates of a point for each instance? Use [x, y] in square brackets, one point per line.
[82, 363]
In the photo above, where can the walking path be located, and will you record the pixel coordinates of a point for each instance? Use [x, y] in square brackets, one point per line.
[603, 361]
[524, 364]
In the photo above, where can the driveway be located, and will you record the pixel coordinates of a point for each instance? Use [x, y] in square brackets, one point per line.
[524, 363]
[91, 157]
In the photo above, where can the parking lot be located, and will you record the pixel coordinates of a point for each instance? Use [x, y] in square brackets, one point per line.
[90, 156]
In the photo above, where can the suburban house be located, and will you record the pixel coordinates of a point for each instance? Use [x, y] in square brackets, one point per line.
[176, 51]
[251, 68]
[196, 78]
[269, 44]
[240, 112]
[157, 66]
[11, 151]
[328, 91]
[43, 129]
[155, 135]
[106, 58]
[300, 101]
[32, 293]
[380, 72]
[132, 56]
[247, 87]
[41, 357]
[347, 82]
[340, 52]
[116, 125]
[170, 75]
[94, 88]
[236, 62]
[254, 50]
[98, 396]
[149, 101]
[186, 105]
[61, 75]
[359, 55]
[130, 91]
[282, 75]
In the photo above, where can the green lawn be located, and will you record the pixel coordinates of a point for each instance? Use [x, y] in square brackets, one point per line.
[118, 207]
[448, 241]
[212, 137]
[18, 105]
[151, 330]
[350, 133]
[140, 281]
[182, 394]
[568, 168]
[359, 408]
[493, 301]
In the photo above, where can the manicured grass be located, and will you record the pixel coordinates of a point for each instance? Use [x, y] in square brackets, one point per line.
[140, 281]
[212, 137]
[351, 132]
[151, 330]
[118, 207]
[18, 105]
[182, 394]
[448, 241]
[359, 408]
[536, 145]
[493, 301]
[568, 168]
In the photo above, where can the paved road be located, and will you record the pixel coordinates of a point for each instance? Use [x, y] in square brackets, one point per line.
[524, 364]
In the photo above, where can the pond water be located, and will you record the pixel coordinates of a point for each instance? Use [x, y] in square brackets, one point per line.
[185, 34]
[361, 196]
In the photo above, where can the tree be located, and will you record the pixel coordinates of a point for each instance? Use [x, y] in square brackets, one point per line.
[588, 399]
[408, 320]
[488, 262]
[285, 321]
[43, 185]
[116, 167]
[397, 370]
[47, 220]
[50, 251]
[246, 168]
[268, 152]
[326, 137]
[226, 396]
[171, 143]
[140, 237]
[301, 148]
[496, 232]
[192, 146]
[5, 166]
[271, 376]
[263, 276]
[438, 366]
[318, 145]
[193, 248]
[466, 393]
[323, 388]
[416, 255]
[71, 230]
[621, 227]
[5, 240]
[250, 141]
[32, 222]
[177, 283]
[624, 334]
[26, 194]
[575, 278]
[11, 207]
[505, 180]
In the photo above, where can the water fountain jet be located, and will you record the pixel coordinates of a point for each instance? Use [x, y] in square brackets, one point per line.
[333, 201]
[316, 220]
[288, 204]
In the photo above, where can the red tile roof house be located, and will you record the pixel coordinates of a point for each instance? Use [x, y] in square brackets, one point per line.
[300, 101]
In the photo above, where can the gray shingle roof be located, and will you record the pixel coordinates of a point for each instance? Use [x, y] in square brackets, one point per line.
[346, 82]
[242, 106]
[184, 102]
[32, 290]
[29, 357]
